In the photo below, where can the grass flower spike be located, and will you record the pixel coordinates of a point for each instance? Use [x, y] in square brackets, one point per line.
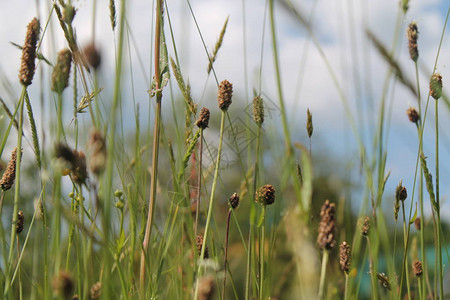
[224, 95]
[27, 66]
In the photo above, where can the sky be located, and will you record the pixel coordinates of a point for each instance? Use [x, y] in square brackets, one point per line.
[339, 27]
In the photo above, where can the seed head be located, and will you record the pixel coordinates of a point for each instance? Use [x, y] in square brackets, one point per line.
[413, 115]
[97, 146]
[20, 222]
[10, 174]
[203, 118]
[258, 110]
[265, 195]
[384, 280]
[27, 65]
[365, 225]
[417, 268]
[79, 169]
[309, 123]
[92, 56]
[436, 86]
[412, 33]
[96, 290]
[224, 95]
[345, 256]
[199, 243]
[327, 226]
[63, 285]
[400, 192]
[61, 72]
[234, 201]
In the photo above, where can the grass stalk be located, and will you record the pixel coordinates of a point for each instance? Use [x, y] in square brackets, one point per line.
[262, 257]
[156, 137]
[211, 203]
[226, 254]
[199, 181]
[346, 287]
[323, 274]
[438, 211]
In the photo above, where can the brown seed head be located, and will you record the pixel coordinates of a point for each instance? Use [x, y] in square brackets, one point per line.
[400, 192]
[365, 225]
[96, 290]
[27, 65]
[199, 243]
[345, 256]
[61, 72]
[63, 285]
[234, 201]
[20, 222]
[203, 118]
[206, 288]
[92, 56]
[10, 174]
[327, 226]
[417, 223]
[258, 110]
[97, 146]
[417, 268]
[412, 33]
[75, 297]
[265, 195]
[309, 123]
[413, 115]
[436, 86]
[224, 95]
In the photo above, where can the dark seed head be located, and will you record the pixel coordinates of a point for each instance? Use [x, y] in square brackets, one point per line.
[203, 118]
[234, 201]
[413, 115]
[417, 268]
[345, 256]
[266, 195]
[27, 66]
[327, 226]
[224, 95]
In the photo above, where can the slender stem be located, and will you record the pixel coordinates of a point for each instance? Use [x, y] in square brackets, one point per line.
[261, 258]
[211, 202]
[346, 287]
[373, 276]
[405, 258]
[199, 187]
[226, 254]
[16, 195]
[252, 215]
[323, 273]
[156, 134]
[438, 212]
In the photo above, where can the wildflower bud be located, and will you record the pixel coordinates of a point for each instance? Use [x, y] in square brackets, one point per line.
[265, 195]
[417, 268]
[234, 201]
[436, 86]
[309, 124]
[224, 95]
[92, 56]
[203, 118]
[61, 72]
[96, 290]
[97, 145]
[20, 222]
[412, 34]
[365, 226]
[258, 110]
[10, 174]
[345, 256]
[27, 65]
[327, 226]
[63, 285]
[199, 243]
[413, 115]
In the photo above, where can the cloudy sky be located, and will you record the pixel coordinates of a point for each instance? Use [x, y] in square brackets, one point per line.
[338, 25]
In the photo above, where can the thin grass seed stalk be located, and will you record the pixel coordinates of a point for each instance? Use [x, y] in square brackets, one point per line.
[213, 56]
[309, 123]
[27, 65]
